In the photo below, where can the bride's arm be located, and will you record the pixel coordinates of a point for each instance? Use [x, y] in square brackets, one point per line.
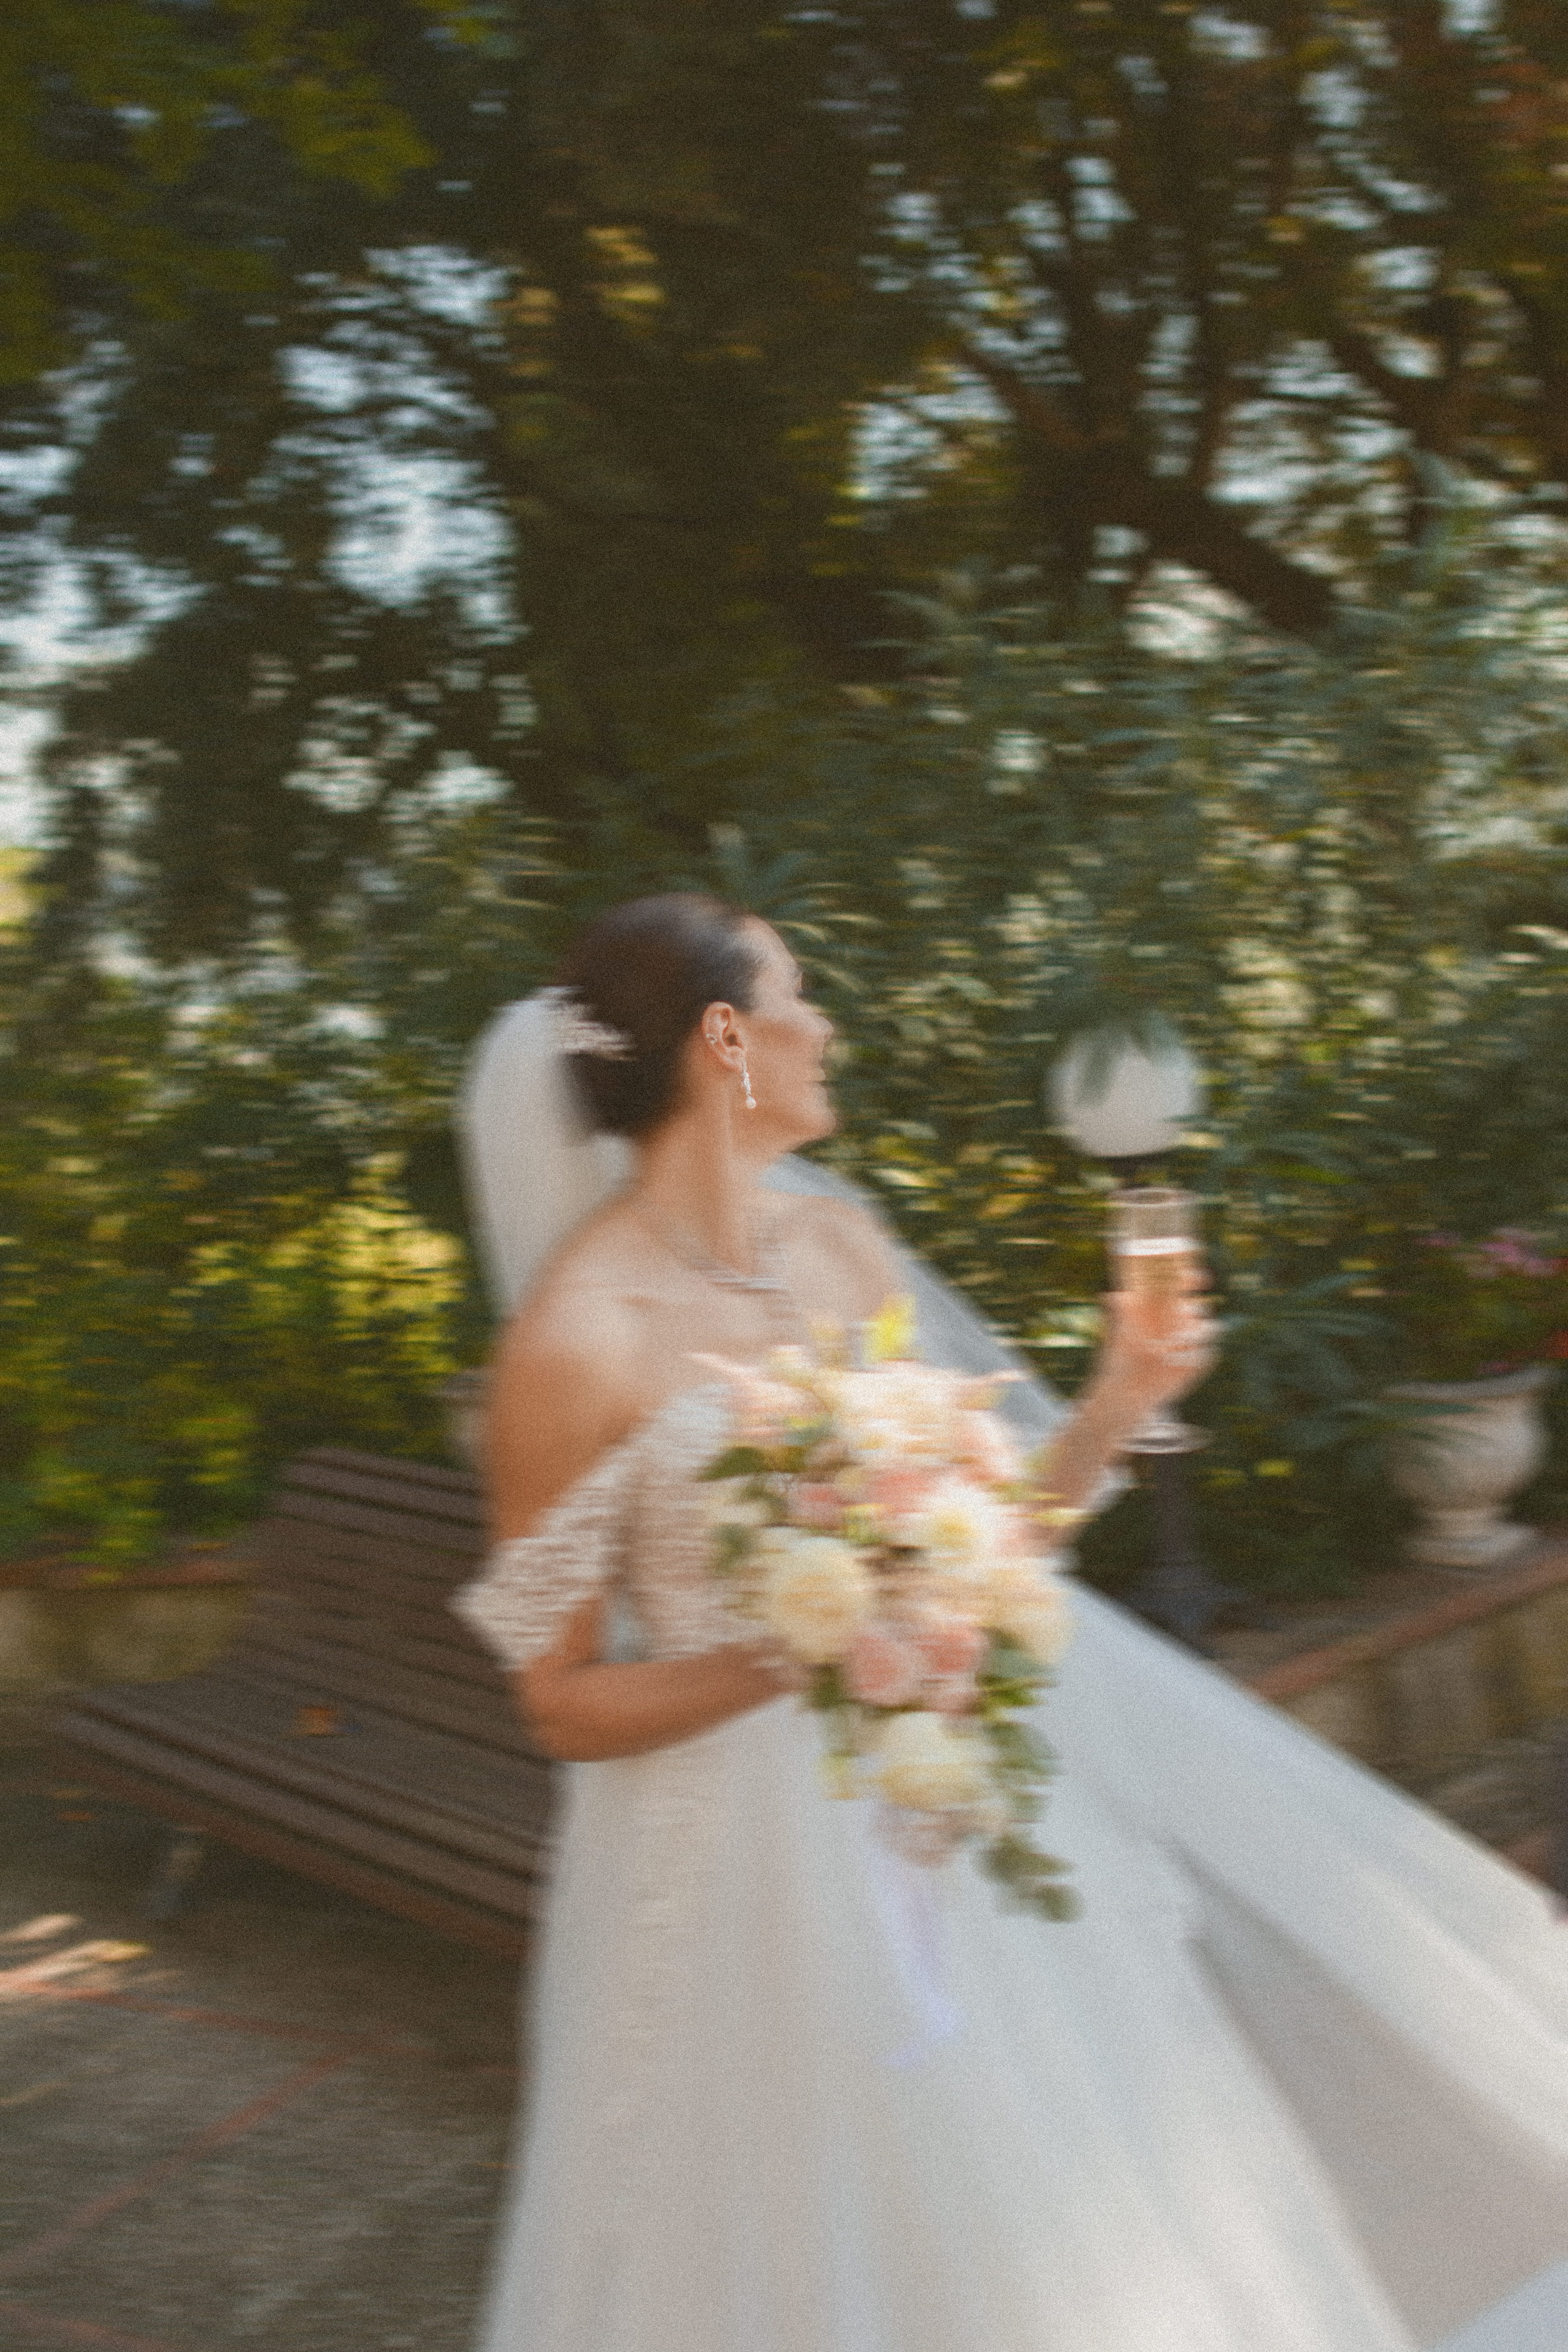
[1137, 1369]
[581, 1709]
[563, 1397]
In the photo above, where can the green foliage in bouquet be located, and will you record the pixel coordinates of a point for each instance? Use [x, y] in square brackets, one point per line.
[1022, 1763]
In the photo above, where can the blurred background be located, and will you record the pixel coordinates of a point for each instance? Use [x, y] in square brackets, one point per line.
[1064, 509]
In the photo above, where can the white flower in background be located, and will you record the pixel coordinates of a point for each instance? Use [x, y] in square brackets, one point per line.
[922, 1761]
[1025, 1600]
[817, 1592]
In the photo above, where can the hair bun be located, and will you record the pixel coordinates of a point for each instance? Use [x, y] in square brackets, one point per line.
[636, 984]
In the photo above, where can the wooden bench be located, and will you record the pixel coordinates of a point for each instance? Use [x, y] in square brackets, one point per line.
[357, 1731]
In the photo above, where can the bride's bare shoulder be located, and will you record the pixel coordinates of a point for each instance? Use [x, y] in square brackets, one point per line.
[569, 1381]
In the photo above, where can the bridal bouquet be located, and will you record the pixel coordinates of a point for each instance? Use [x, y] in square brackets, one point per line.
[873, 1514]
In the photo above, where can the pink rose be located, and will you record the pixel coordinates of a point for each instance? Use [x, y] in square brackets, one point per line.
[1022, 1537]
[897, 1493]
[950, 1646]
[950, 1693]
[816, 1502]
[882, 1669]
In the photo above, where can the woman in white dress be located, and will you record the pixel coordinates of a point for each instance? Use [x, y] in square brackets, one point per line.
[1295, 2080]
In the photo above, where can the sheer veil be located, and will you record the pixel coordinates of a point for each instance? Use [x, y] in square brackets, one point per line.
[534, 1168]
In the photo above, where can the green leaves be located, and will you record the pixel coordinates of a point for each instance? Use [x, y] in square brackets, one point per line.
[108, 107]
[1032, 1881]
[205, 1267]
[738, 1461]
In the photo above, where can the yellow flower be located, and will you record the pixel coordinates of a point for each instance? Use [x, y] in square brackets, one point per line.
[890, 1333]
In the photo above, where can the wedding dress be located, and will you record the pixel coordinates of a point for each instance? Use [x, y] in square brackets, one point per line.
[1295, 2081]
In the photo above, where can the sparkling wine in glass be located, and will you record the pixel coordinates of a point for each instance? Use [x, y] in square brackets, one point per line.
[1154, 1250]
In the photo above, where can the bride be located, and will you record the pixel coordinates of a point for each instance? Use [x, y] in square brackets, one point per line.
[1295, 2081]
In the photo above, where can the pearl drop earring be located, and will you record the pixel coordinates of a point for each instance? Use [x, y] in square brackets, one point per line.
[746, 1082]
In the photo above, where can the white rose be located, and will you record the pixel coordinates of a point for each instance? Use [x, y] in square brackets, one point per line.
[1027, 1602]
[899, 1409]
[817, 1592]
[960, 1529]
[922, 1761]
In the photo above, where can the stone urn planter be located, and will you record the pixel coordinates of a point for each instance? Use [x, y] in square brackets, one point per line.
[1463, 1458]
[65, 1627]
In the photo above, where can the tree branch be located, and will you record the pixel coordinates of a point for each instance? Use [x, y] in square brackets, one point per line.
[1185, 526]
[1180, 521]
[1415, 401]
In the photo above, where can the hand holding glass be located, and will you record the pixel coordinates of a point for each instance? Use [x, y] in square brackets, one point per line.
[1154, 1250]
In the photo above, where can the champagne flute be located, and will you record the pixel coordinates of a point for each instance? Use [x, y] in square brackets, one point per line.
[1154, 1249]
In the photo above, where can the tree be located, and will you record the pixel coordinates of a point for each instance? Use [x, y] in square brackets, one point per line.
[113, 111]
[1106, 267]
[776, 311]
[239, 767]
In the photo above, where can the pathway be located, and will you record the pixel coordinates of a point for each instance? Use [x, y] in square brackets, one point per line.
[279, 2122]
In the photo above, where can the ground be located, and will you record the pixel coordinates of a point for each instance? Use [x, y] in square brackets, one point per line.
[280, 2121]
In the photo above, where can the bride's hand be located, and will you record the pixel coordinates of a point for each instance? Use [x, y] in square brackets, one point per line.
[775, 1671]
[1148, 1358]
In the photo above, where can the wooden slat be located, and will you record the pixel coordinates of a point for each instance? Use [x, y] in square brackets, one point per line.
[415, 1551]
[462, 1507]
[456, 1655]
[437, 1477]
[298, 1562]
[505, 1891]
[470, 1923]
[296, 1557]
[469, 1800]
[358, 1575]
[329, 1593]
[472, 1710]
[362, 1621]
[315, 1673]
[492, 1771]
[461, 1537]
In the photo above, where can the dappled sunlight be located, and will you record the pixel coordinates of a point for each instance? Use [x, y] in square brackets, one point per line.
[47, 1925]
[41, 1971]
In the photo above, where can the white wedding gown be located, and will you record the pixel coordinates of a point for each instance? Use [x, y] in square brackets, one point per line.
[1295, 2080]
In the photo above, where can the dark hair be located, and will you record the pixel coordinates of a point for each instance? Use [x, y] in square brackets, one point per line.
[649, 969]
